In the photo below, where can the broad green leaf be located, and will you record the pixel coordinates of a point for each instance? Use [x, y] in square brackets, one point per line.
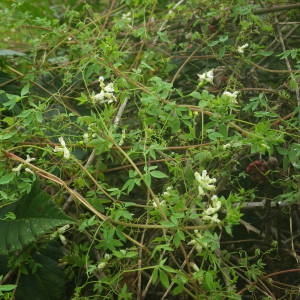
[121, 213]
[158, 174]
[6, 136]
[178, 237]
[25, 90]
[196, 95]
[163, 277]
[130, 184]
[7, 287]
[35, 214]
[147, 179]
[7, 178]
[47, 282]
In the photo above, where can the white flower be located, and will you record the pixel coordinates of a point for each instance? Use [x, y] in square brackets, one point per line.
[206, 77]
[63, 229]
[63, 148]
[109, 88]
[126, 16]
[86, 137]
[205, 183]
[19, 167]
[157, 202]
[213, 219]
[63, 239]
[214, 207]
[230, 95]
[101, 82]
[198, 242]
[226, 146]
[102, 265]
[29, 159]
[107, 256]
[194, 266]
[197, 245]
[241, 49]
[106, 259]
[28, 171]
[106, 94]
[99, 97]
[167, 192]
[104, 98]
[210, 214]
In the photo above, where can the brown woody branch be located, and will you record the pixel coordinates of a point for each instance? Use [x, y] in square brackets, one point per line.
[260, 11]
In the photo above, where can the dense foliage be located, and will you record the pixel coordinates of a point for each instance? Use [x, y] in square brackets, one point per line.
[149, 149]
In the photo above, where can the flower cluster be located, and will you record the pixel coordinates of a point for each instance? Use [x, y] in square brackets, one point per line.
[127, 16]
[19, 167]
[158, 203]
[63, 148]
[59, 233]
[104, 262]
[241, 49]
[106, 94]
[90, 133]
[205, 183]
[166, 197]
[204, 240]
[199, 242]
[206, 77]
[210, 214]
[167, 192]
[231, 96]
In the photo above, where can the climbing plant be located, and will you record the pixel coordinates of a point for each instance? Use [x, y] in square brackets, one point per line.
[149, 149]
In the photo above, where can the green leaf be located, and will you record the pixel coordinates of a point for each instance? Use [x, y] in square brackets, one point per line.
[130, 184]
[209, 280]
[121, 213]
[124, 293]
[265, 53]
[169, 269]
[7, 287]
[25, 90]
[158, 174]
[147, 179]
[168, 224]
[35, 214]
[163, 277]
[178, 237]
[196, 95]
[154, 275]
[6, 136]
[125, 254]
[7, 178]
[48, 276]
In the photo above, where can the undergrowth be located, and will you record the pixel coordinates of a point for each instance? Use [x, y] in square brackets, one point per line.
[149, 149]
